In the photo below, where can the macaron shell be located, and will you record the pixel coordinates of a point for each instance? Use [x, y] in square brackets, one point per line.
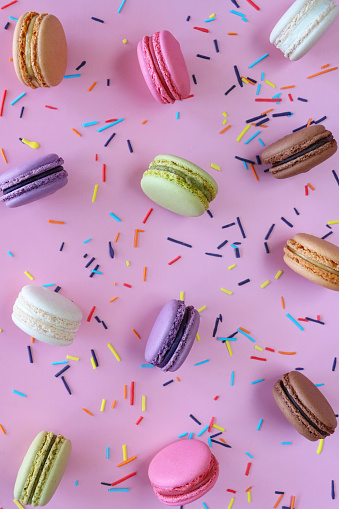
[186, 343]
[307, 272]
[150, 73]
[172, 64]
[321, 246]
[28, 169]
[18, 48]
[49, 51]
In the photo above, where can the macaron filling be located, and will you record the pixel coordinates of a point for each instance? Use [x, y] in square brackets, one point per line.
[313, 262]
[29, 180]
[151, 41]
[29, 35]
[304, 415]
[312, 147]
[170, 352]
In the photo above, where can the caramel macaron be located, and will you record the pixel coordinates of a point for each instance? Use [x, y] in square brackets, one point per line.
[39, 50]
[299, 152]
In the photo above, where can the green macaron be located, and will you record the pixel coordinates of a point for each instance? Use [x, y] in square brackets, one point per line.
[179, 185]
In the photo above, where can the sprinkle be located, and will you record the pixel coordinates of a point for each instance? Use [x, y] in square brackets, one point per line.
[226, 291]
[320, 446]
[259, 425]
[119, 489]
[244, 282]
[3, 155]
[258, 89]
[103, 404]
[109, 139]
[332, 490]
[167, 383]
[322, 72]
[113, 352]
[201, 29]
[55, 222]
[229, 348]
[29, 275]
[144, 274]
[119, 10]
[66, 385]
[195, 419]
[269, 231]
[259, 59]
[18, 98]
[62, 370]
[174, 260]
[258, 358]
[287, 222]
[278, 274]
[315, 321]
[249, 121]
[265, 283]
[243, 132]
[202, 362]
[123, 479]
[21, 113]
[215, 166]
[127, 285]
[222, 244]
[179, 242]
[287, 353]
[147, 216]
[115, 217]
[109, 125]
[129, 146]
[98, 19]
[214, 254]
[258, 9]
[246, 334]
[204, 505]
[237, 73]
[3, 102]
[93, 363]
[18, 504]
[327, 234]
[294, 321]
[267, 100]
[71, 358]
[303, 100]
[203, 56]
[286, 443]
[334, 364]
[252, 137]
[216, 45]
[257, 381]
[278, 501]
[261, 142]
[229, 90]
[223, 130]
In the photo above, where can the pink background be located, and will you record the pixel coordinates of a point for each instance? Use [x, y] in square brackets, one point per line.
[295, 469]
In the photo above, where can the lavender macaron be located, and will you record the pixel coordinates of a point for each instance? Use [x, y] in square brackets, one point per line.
[172, 335]
[32, 180]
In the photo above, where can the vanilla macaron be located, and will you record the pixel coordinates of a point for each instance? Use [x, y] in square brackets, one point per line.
[46, 315]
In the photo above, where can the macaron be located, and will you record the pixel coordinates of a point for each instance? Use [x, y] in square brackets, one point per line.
[46, 315]
[302, 25]
[183, 472]
[32, 180]
[179, 185]
[163, 67]
[313, 258]
[42, 469]
[304, 406]
[172, 335]
[300, 151]
[39, 50]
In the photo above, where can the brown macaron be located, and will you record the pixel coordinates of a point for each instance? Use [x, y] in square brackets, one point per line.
[313, 258]
[304, 406]
[39, 50]
[300, 151]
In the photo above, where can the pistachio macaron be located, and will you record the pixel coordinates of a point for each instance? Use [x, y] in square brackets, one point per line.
[313, 258]
[179, 185]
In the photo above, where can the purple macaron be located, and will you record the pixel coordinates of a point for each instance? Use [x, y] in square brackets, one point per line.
[32, 180]
[172, 335]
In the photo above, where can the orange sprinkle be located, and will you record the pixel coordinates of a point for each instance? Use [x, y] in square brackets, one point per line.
[127, 461]
[232, 33]
[144, 276]
[32, 339]
[248, 489]
[309, 122]
[87, 411]
[55, 222]
[116, 238]
[144, 122]
[11, 59]
[292, 502]
[222, 440]
[92, 86]
[114, 403]
[324, 66]
[282, 302]
[255, 173]
[137, 335]
[3, 155]
[287, 353]
[278, 501]
[223, 130]
[284, 88]
[2, 429]
[252, 82]
[125, 391]
[136, 237]
[311, 187]
[322, 72]
[177, 378]
[265, 112]
[76, 132]
[114, 298]
[245, 330]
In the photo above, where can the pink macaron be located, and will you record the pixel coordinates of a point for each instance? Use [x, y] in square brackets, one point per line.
[163, 67]
[183, 472]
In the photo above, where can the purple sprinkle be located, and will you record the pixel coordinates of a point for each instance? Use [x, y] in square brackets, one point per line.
[167, 383]
[66, 385]
[230, 89]
[287, 222]
[109, 139]
[62, 246]
[30, 354]
[62, 370]
[222, 244]
[334, 364]
[203, 56]
[209, 213]
[269, 231]
[244, 282]
[89, 263]
[335, 176]
[194, 79]
[241, 228]
[266, 247]
[81, 65]
[129, 146]
[327, 235]
[238, 76]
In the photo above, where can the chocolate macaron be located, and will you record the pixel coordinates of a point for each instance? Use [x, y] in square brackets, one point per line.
[313, 258]
[304, 406]
[299, 152]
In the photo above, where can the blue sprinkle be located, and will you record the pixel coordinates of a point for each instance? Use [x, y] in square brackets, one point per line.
[315, 321]
[130, 146]
[258, 159]
[216, 326]
[87, 124]
[216, 434]
[195, 419]
[258, 89]
[62, 370]
[216, 45]
[202, 431]
[191, 436]
[250, 455]
[121, 6]
[222, 244]
[334, 364]
[10, 254]
[228, 225]
[266, 247]
[247, 335]
[72, 76]
[253, 119]
[111, 250]
[237, 252]
[221, 443]
[177, 115]
[49, 284]
[89, 263]
[259, 425]
[279, 492]
[287, 222]
[14, 19]
[213, 254]
[179, 242]
[257, 381]
[237, 73]
[229, 338]
[146, 365]
[95, 358]
[108, 81]
[294, 321]
[194, 79]
[98, 19]
[109, 125]
[303, 100]
[261, 142]
[61, 362]
[30, 354]
[18, 98]
[244, 282]
[57, 289]
[275, 97]
[235, 3]
[109, 139]
[182, 435]
[66, 385]
[81, 65]
[260, 123]
[269, 231]
[7, 25]
[203, 503]
[262, 76]
[327, 234]
[251, 79]
[245, 164]
[188, 18]
[286, 443]
[167, 383]
[283, 114]
[76, 483]
[320, 120]
[209, 443]
[332, 490]
[318, 385]
[104, 325]
[85, 255]
[22, 111]
[209, 213]
[97, 319]
[202, 362]
[252, 137]
[19, 393]
[299, 369]
[229, 90]
[119, 489]
[115, 217]
[62, 246]
[232, 378]
[257, 61]
[247, 161]
[85, 241]
[241, 228]
[295, 210]
[92, 273]
[107, 453]
[203, 56]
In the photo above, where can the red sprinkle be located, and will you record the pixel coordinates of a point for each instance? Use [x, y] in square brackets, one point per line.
[50, 107]
[269, 349]
[128, 286]
[248, 468]
[104, 172]
[96, 157]
[147, 215]
[302, 320]
[253, 5]
[131, 401]
[306, 190]
[258, 358]
[7, 5]
[318, 318]
[210, 426]
[231, 491]
[111, 120]
[290, 97]
[189, 96]
[123, 479]
[139, 420]
[175, 260]
[268, 100]
[215, 398]
[201, 29]
[3, 101]
[91, 314]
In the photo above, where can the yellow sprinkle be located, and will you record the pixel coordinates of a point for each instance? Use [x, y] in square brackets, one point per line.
[265, 283]
[270, 83]
[18, 504]
[93, 363]
[243, 132]
[215, 167]
[249, 498]
[226, 291]
[225, 121]
[124, 41]
[128, 263]
[198, 337]
[218, 427]
[0, 330]
[32, 144]
[113, 352]
[278, 274]
[320, 446]
[72, 358]
[333, 222]
[201, 309]
[231, 503]
[245, 80]
[212, 15]
[232, 266]
[182, 295]
[124, 452]
[29, 275]
[95, 193]
[258, 348]
[76, 132]
[229, 348]
[143, 403]
[103, 404]
[224, 113]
